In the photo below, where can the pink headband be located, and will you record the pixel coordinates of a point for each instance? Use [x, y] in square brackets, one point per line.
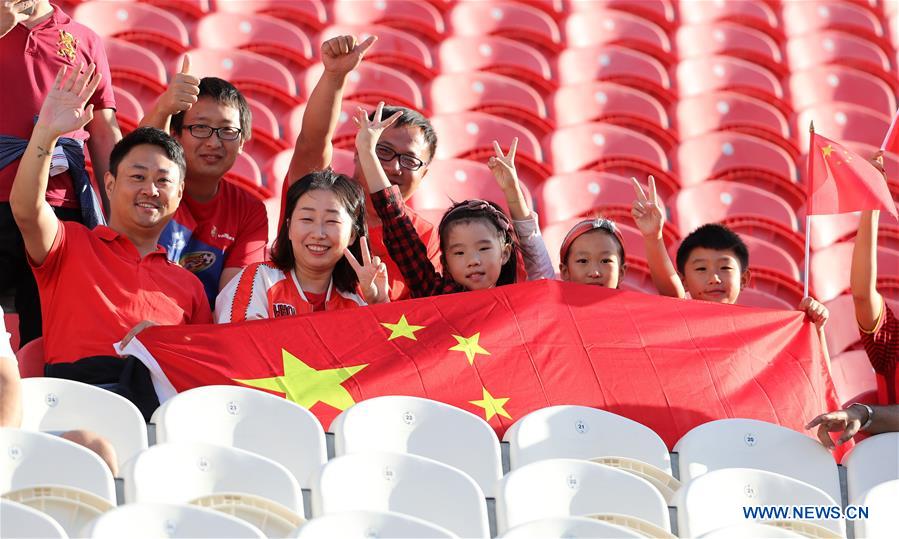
[582, 228]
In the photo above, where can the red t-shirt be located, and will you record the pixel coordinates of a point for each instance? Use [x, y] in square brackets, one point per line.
[29, 60]
[95, 287]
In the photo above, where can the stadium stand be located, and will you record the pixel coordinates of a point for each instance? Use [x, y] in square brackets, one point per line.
[871, 463]
[169, 520]
[880, 501]
[574, 527]
[19, 520]
[370, 523]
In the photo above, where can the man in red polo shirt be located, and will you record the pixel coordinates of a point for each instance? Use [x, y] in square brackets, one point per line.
[36, 39]
[96, 285]
[405, 150]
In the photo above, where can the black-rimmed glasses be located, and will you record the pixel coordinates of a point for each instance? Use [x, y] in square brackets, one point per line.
[205, 131]
[408, 162]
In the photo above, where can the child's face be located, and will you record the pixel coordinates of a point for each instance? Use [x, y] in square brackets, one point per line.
[593, 259]
[474, 254]
[714, 275]
[320, 230]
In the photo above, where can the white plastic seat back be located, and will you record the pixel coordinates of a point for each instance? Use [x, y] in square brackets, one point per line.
[152, 520]
[21, 521]
[882, 502]
[247, 419]
[228, 479]
[57, 405]
[751, 530]
[403, 483]
[68, 482]
[569, 527]
[719, 498]
[873, 461]
[748, 443]
[422, 427]
[370, 524]
[581, 432]
[571, 487]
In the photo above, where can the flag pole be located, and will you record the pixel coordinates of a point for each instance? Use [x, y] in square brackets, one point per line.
[808, 209]
[883, 145]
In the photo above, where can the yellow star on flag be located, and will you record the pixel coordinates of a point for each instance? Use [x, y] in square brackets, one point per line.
[306, 386]
[402, 329]
[491, 405]
[827, 150]
[469, 346]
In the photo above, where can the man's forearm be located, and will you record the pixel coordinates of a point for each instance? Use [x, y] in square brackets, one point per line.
[29, 188]
[313, 149]
[157, 118]
[886, 419]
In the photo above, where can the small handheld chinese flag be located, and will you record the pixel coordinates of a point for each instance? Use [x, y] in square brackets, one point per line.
[891, 140]
[842, 182]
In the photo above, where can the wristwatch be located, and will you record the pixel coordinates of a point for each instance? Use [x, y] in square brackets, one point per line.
[870, 414]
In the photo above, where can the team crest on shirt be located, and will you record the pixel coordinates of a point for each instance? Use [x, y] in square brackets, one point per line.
[68, 44]
[197, 261]
[283, 309]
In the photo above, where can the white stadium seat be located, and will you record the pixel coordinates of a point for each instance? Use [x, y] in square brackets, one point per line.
[247, 419]
[69, 482]
[718, 498]
[882, 502]
[370, 524]
[872, 461]
[747, 443]
[570, 527]
[57, 405]
[22, 522]
[570, 487]
[751, 530]
[403, 483]
[422, 427]
[172, 521]
[249, 486]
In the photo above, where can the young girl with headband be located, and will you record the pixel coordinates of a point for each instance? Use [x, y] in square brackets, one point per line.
[593, 253]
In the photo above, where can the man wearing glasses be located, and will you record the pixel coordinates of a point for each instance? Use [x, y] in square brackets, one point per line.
[219, 227]
[405, 149]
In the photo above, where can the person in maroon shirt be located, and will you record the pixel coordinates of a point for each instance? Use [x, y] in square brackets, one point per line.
[36, 39]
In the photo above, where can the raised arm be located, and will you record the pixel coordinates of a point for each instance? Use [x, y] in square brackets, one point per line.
[63, 111]
[179, 96]
[650, 219]
[863, 272]
[850, 420]
[12, 12]
[313, 148]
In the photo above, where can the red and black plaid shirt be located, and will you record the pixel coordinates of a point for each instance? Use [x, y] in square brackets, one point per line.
[406, 248]
[882, 347]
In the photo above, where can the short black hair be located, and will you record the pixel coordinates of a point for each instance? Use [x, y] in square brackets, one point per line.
[350, 194]
[225, 93]
[713, 236]
[153, 137]
[412, 118]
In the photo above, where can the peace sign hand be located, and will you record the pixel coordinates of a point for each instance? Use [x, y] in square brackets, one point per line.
[503, 166]
[64, 108]
[647, 211]
[372, 274]
[370, 130]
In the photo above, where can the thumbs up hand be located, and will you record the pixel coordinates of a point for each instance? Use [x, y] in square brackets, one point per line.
[342, 54]
[182, 91]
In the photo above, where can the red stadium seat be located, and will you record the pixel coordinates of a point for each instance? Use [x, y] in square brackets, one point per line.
[753, 297]
[613, 27]
[616, 64]
[498, 55]
[730, 39]
[136, 69]
[829, 229]
[491, 93]
[246, 174]
[834, 47]
[344, 133]
[129, 111]
[615, 104]
[722, 201]
[764, 254]
[589, 193]
[829, 272]
[777, 284]
[733, 156]
[842, 328]
[372, 83]
[807, 17]
[255, 75]
[732, 111]
[11, 322]
[853, 376]
[419, 18]
[31, 359]
[758, 15]
[829, 83]
[395, 48]
[470, 135]
[142, 24]
[307, 15]
[266, 139]
[275, 171]
[843, 122]
[637, 278]
[697, 76]
[513, 20]
[261, 34]
[455, 180]
[660, 12]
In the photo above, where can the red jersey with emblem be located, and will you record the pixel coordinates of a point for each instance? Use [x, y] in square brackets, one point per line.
[29, 59]
[263, 291]
[229, 231]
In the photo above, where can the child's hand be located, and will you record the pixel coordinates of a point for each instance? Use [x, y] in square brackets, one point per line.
[503, 166]
[877, 161]
[815, 310]
[342, 54]
[370, 131]
[372, 274]
[646, 211]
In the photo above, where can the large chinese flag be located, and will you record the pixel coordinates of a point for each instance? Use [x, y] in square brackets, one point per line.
[501, 353]
[841, 181]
